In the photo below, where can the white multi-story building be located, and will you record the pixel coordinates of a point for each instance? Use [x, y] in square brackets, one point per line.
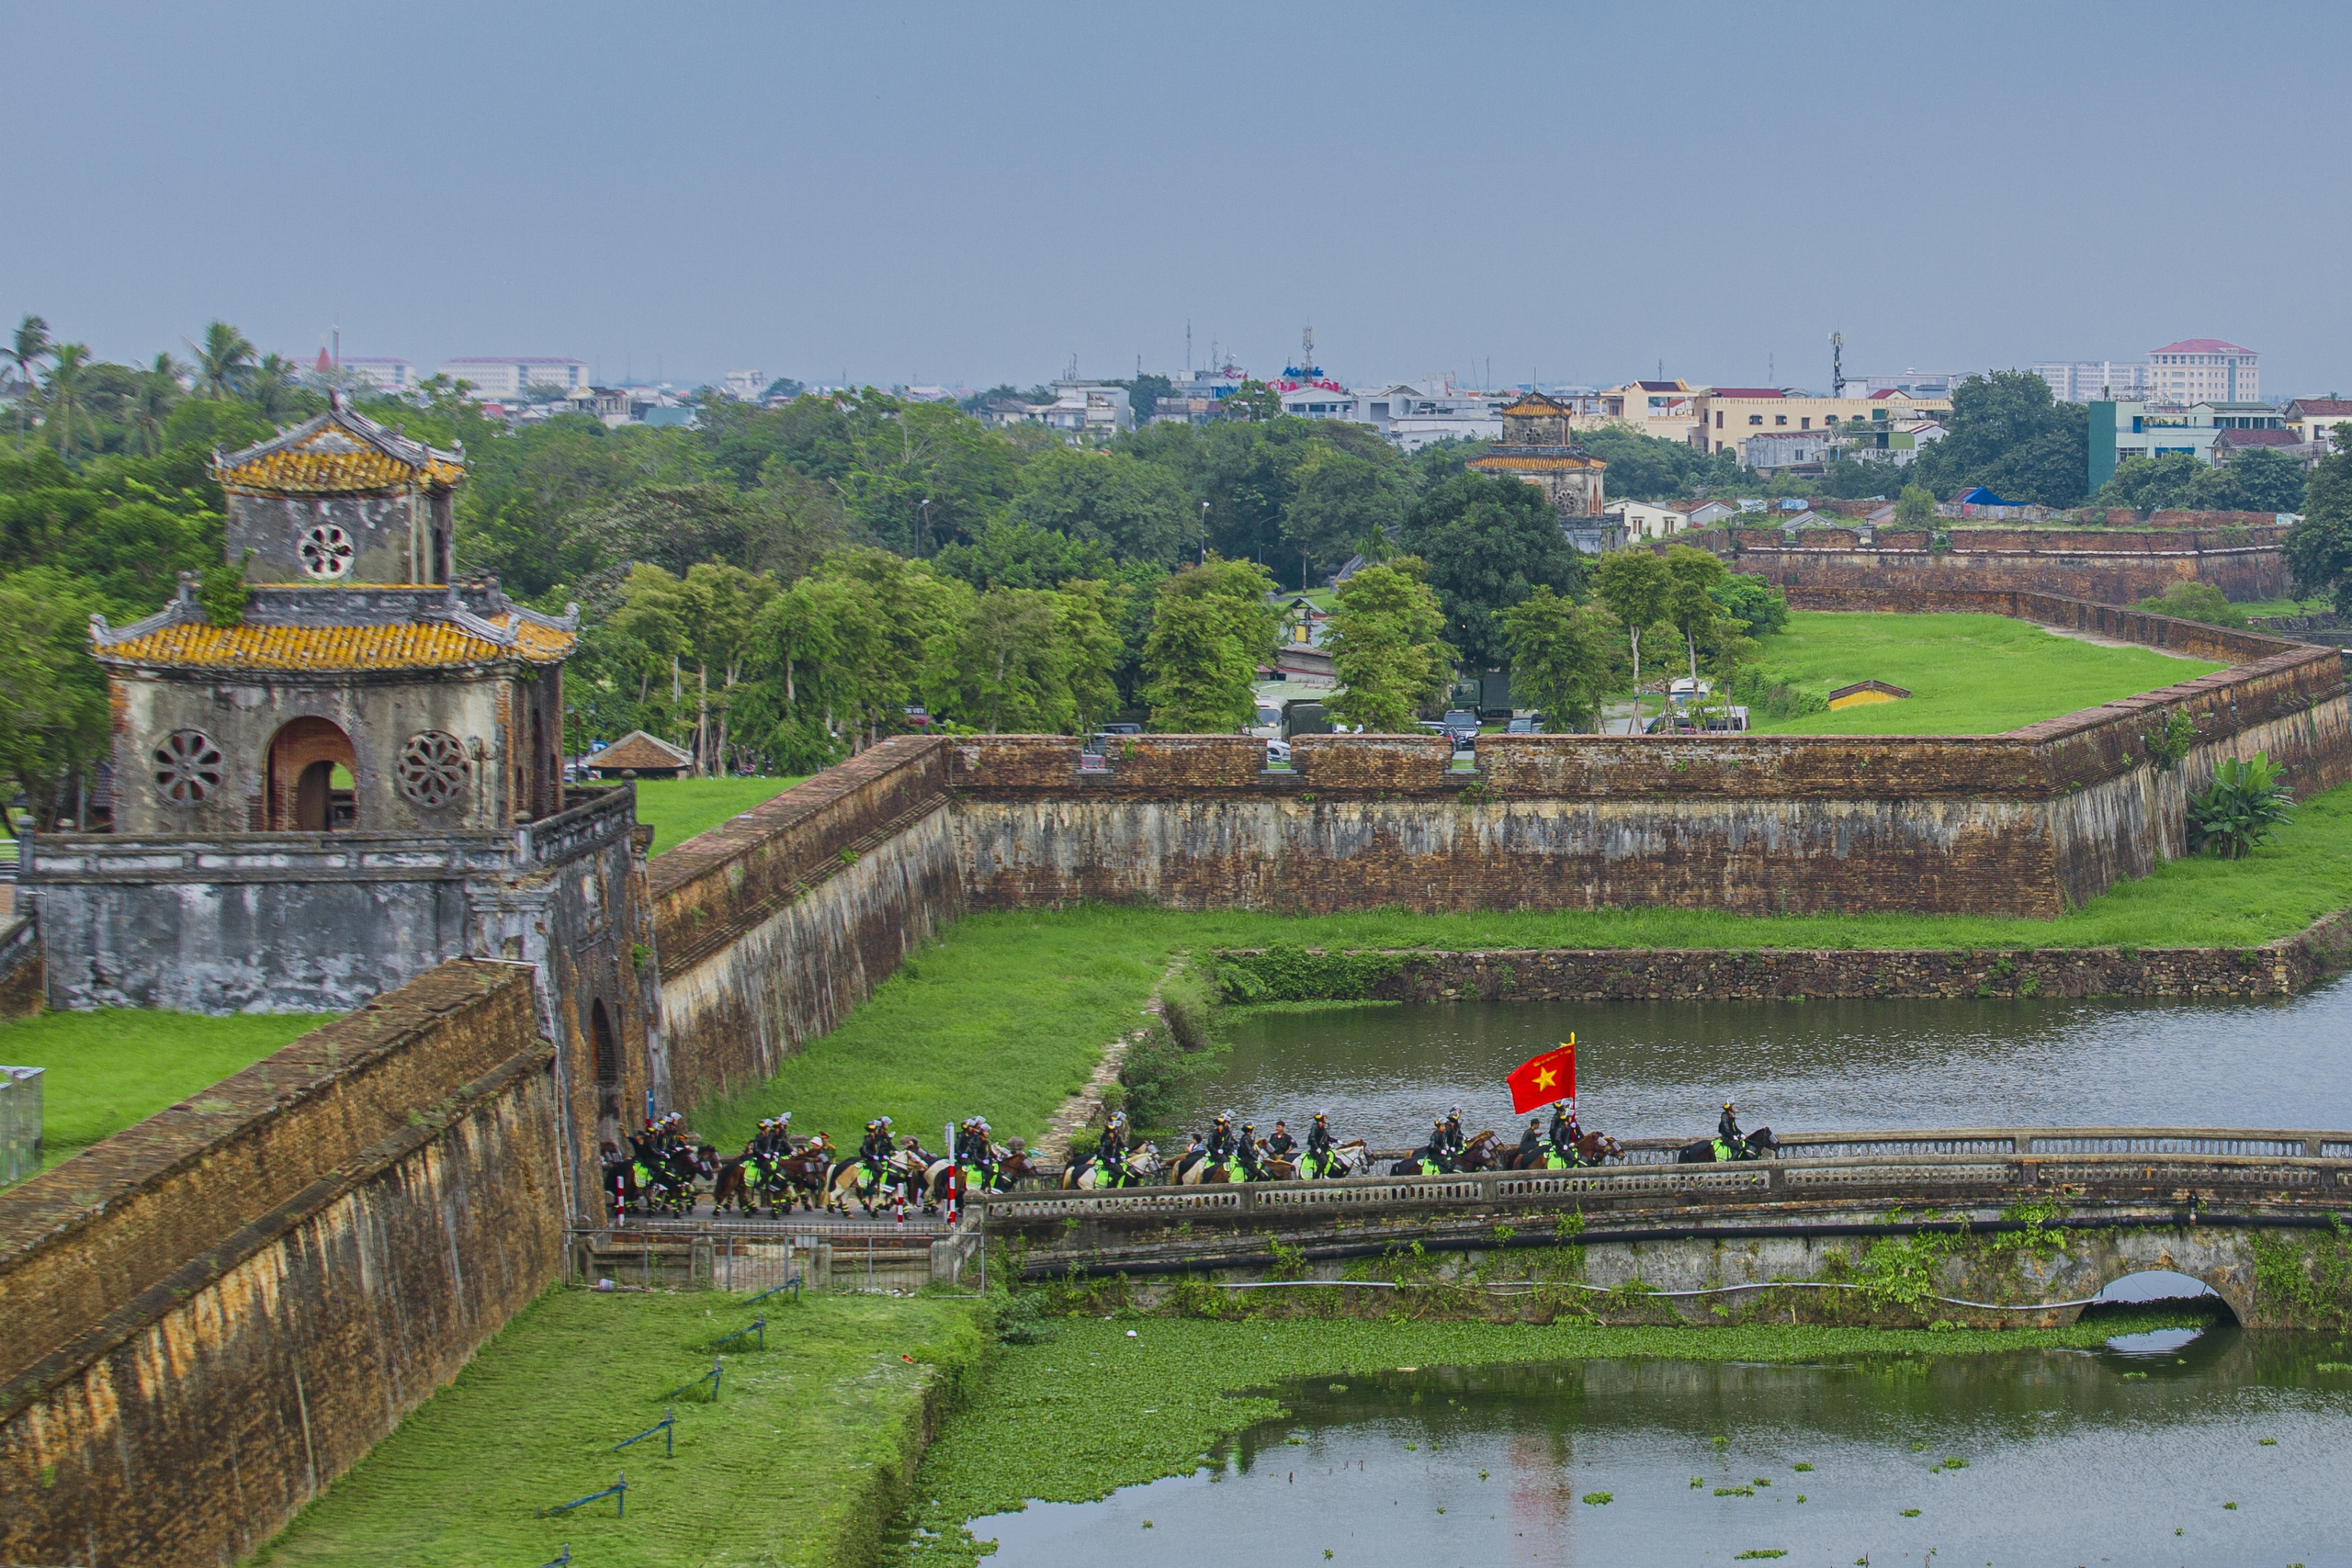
[2204, 370]
[495, 378]
[745, 386]
[2092, 381]
[384, 375]
[1083, 408]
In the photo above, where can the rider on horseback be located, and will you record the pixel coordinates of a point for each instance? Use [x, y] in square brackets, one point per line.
[1730, 1142]
[876, 1151]
[1280, 1144]
[1319, 1145]
[1245, 1153]
[1432, 1156]
[1531, 1145]
[1451, 1129]
[1110, 1155]
[1223, 1141]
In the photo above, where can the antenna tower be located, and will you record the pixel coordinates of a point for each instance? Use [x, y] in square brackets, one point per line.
[1837, 364]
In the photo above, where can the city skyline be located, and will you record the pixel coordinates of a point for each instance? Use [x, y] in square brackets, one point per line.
[931, 197]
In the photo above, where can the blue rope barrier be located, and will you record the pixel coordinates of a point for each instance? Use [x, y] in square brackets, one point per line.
[792, 1284]
[718, 1365]
[559, 1561]
[665, 1426]
[759, 1327]
[617, 1491]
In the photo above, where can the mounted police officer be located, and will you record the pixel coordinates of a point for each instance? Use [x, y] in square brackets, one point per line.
[1730, 1142]
[1280, 1144]
[1432, 1156]
[1222, 1140]
[1245, 1151]
[1319, 1145]
[1564, 1132]
[1450, 1131]
[1531, 1145]
[876, 1151]
[1110, 1155]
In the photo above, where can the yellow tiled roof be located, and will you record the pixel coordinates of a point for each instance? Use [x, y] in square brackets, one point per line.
[202, 646]
[327, 473]
[1565, 461]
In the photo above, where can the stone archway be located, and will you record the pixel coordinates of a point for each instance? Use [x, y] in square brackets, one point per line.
[303, 756]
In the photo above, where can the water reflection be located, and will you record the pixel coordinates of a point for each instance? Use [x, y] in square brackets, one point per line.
[1665, 1068]
[2035, 1457]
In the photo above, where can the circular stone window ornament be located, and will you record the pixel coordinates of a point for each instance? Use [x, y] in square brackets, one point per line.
[187, 767]
[326, 552]
[432, 768]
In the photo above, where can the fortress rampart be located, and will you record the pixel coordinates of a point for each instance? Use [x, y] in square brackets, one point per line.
[215, 1312]
[2119, 566]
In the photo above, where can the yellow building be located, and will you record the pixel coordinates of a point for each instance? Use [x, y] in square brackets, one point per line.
[1729, 415]
[1660, 409]
[1863, 692]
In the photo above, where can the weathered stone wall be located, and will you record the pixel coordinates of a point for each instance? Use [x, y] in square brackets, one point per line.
[20, 967]
[2018, 824]
[772, 925]
[214, 1314]
[392, 534]
[2120, 567]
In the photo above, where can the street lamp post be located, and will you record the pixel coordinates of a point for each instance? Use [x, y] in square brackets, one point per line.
[922, 526]
[1205, 532]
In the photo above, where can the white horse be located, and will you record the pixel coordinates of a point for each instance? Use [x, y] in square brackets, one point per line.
[1088, 1175]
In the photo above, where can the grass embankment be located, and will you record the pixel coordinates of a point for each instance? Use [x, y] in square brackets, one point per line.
[1006, 1014]
[677, 810]
[804, 1456]
[1967, 674]
[1034, 1431]
[111, 1068]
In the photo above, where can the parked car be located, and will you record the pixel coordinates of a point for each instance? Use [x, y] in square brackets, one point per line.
[1278, 754]
[1462, 724]
[1520, 726]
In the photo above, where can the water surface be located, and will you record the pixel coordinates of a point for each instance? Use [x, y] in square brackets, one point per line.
[2126, 1455]
[1665, 1068]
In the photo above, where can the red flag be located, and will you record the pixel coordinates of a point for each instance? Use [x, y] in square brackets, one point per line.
[1540, 1081]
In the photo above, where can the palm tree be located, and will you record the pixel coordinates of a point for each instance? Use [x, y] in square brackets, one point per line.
[151, 405]
[30, 347]
[65, 391]
[224, 360]
[271, 386]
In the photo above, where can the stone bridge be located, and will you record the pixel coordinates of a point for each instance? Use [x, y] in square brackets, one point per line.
[2015, 1227]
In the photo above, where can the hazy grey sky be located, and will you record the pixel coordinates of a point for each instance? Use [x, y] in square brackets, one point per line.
[977, 192]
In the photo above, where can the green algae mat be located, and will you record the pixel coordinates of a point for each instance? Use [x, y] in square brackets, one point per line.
[804, 1455]
[1967, 674]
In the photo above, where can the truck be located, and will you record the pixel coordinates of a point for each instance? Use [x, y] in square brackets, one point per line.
[1303, 716]
[1494, 694]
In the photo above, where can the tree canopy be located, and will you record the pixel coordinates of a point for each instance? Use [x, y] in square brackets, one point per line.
[1488, 541]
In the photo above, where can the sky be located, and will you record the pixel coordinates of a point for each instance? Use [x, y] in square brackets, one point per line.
[983, 193]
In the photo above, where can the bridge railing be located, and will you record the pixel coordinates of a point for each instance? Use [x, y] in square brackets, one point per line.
[2318, 1163]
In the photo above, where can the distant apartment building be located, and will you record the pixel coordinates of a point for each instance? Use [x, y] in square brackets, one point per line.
[1414, 414]
[1197, 397]
[1664, 519]
[494, 378]
[2121, 430]
[1666, 409]
[745, 386]
[1730, 415]
[2314, 420]
[1084, 408]
[1911, 383]
[384, 375]
[2088, 380]
[2203, 369]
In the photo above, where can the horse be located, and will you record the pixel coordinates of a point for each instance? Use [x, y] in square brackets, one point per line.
[1195, 1168]
[1483, 1151]
[731, 1186]
[1015, 1166]
[807, 1174]
[1088, 1175]
[1707, 1151]
[1344, 1160]
[1593, 1148]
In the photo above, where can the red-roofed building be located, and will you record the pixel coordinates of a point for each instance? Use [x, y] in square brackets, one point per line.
[2316, 419]
[2204, 369]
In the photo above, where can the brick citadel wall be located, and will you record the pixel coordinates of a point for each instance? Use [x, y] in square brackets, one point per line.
[215, 1312]
[773, 925]
[2120, 566]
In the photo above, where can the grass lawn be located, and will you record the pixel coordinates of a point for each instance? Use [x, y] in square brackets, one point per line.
[2319, 606]
[1007, 1013]
[677, 809]
[111, 1068]
[1967, 674]
[1027, 1435]
[797, 1462]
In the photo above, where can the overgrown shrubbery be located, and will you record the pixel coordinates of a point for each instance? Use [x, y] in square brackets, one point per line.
[1772, 694]
[2195, 602]
[1285, 973]
[1180, 1047]
[2245, 806]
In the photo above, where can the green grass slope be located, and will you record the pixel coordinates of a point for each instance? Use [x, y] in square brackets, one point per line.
[677, 809]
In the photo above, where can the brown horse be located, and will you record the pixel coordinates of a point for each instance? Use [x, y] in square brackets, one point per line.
[1483, 1152]
[1593, 1148]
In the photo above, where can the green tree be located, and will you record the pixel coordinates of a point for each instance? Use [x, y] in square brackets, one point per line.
[26, 351]
[1560, 656]
[1636, 585]
[224, 360]
[1135, 510]
[1212, 626]
[1086, 616]
[1759, 607]
[275, 387]
[1915, 506]
[2257, 480]
[62, 398]
[2007, 433]
[2318, 548]
[1002, 665]
[1647, 467]
[1008, 554]
[1487, 542]
[1691, 608]
[1253, 400]
[150, 413]
[2195, 602]
[1386, 638]
[54, 717]
[1338, 502]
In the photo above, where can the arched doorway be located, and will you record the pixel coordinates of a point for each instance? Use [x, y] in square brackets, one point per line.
[304, 795]
[605, 1043]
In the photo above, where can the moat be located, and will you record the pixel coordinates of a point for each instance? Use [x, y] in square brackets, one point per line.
[1663, 1069]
